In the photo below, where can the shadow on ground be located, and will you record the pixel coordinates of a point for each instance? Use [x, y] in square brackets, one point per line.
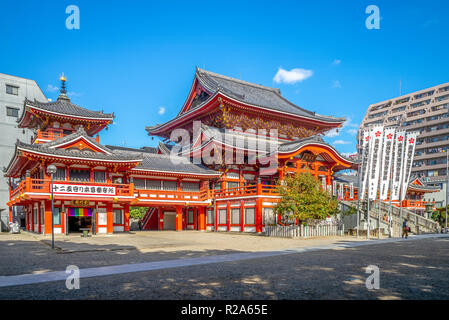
[408, 270]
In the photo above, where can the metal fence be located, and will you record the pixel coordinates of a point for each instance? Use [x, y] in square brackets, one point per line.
[302, 231]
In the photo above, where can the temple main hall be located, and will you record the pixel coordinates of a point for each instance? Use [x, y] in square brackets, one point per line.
[207, 173]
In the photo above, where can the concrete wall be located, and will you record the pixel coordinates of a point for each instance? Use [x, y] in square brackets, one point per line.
[9, 132]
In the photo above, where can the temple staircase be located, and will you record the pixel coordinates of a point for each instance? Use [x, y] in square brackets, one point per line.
[417, 223]
[148, 219]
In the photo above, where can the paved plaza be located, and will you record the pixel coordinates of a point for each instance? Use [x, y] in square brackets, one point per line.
[206, 265]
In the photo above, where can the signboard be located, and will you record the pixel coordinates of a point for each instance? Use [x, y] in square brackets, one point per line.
[69, 189]
[408, 161]
[364, 163]
[398, 164]
[376, 151]
[386, 163]
[80, 203]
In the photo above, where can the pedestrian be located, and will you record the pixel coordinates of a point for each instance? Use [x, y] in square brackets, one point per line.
[140, 224]
[404, 229]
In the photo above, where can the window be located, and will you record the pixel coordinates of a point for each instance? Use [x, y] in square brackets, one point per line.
[117, 216]
[56, 216]
[232, 185]
[210, 216]
[35, 215]
[191, 186]
[250, 216]
[169, 185]
[79, 175]
[222, 216]
[60, 174]
[235, 216]
[268, 216]
[12, 112]
[100, 176]
[12, 90]
[139, 183]
[190, 217]
[42, 215]
[153, 184]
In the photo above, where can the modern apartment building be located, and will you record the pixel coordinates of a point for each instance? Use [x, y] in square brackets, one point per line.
[13, 91]
[425, 111]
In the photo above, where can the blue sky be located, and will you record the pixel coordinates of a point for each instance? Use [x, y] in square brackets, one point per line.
[132, 58]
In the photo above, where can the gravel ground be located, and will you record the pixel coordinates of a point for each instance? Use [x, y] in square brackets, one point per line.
[408, 270]
[29, 253]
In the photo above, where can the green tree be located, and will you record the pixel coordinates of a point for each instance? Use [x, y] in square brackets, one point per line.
[439, 215]
[303, 197]
[137, 212]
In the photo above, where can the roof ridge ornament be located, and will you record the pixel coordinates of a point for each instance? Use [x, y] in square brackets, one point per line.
[63, 95]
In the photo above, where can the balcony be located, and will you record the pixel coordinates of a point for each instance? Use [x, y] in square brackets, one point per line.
[251, 190]
[147, 195]
[40, 189]
[49, 135]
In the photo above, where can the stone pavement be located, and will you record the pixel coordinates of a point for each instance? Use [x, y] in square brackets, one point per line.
[416, 268]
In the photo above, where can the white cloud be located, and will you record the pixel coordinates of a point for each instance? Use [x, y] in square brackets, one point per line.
[161, 110]
[352, 131]
[74, 94]
[341, 142]
[292, 76]
[52, 88]
[336, 84]
[348, 124]
[336, 62]
[332, 133]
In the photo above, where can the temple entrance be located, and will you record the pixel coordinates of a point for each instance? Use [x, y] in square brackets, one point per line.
[169, 220]
[78, 219]
[78, 223]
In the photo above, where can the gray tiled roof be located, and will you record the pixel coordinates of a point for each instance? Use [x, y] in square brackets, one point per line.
[125, 150]
[161, 162]
[355, 180]
[255, 94]
[79, 133]
[64, 106]
[49, 148]
[76, 154]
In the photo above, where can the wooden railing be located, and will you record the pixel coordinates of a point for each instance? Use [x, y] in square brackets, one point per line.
[43, 186]
[251, 190]
[168, 195]
[49, 135]
[293, 231]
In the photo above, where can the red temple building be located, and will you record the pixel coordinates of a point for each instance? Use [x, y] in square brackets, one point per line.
[217, 180]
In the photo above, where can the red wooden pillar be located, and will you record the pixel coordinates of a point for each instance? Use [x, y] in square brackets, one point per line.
[242, 215]
[32, 217]
[259, 215]
[26, 217]
[216, 216]
[228, 216]
[202, 218]
[195, 218]
[39, 218]
[47, 217]
[178, 218]
[109, 221]
[161, 218]
[10, 213]
[126, 214]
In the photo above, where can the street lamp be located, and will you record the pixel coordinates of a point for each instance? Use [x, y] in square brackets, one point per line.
[51, 170]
